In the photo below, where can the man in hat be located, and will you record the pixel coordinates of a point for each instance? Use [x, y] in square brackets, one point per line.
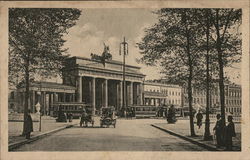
[199, 118]
[229, 134]
[28, 128]
[218, 128]
[83, 117]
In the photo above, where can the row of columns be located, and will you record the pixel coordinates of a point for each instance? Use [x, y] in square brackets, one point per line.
[42, 99]
[129, 92]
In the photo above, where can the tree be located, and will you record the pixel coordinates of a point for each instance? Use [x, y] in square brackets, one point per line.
[36, 42]
[226, 23]
[172, 43]
[203, 17]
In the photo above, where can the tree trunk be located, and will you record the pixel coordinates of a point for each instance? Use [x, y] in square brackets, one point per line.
[190, 77]
[26, 102]
[221, 69]
[207, 135]
[190, 100]
[221, 85]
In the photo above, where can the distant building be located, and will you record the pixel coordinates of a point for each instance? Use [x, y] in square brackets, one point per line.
[232, 98]
[13, 100]
[156, 93]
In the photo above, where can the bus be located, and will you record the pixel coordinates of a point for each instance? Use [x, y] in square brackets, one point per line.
[75, 108]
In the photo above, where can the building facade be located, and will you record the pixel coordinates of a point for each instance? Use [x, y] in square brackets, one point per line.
[46, 93]
[156, 93]
[232, 98]
[101, 85]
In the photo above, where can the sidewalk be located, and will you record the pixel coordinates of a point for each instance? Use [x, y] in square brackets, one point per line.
[49, 124]
[181, 129]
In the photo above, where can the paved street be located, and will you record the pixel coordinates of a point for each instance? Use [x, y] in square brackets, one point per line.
[15, 128]
[129, 135]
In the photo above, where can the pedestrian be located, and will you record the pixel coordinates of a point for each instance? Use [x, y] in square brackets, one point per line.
[229, 134]
[218, 129]
[28, 125]
[83, 118]
[65, 117]
[125, 113]
[199, 117]
[70, 117]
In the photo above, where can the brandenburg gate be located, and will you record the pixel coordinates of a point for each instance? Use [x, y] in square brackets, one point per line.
[101, 85]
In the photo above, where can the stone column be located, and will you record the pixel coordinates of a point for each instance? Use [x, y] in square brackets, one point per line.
[79, 89]
[121, 93]
[45, 104]
[55, 98]
[33, 101]
[64, 97]
[93, 95]
[73, 97]
[131, 93]
[105, 93]
[42, 103]
[141, 94]
[52, 102]
[29, 104]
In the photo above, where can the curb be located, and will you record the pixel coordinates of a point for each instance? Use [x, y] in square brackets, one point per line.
[21, 121]
[15, 145]
[206, 146]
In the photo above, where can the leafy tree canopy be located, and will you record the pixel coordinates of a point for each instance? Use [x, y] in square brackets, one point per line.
[36, 39]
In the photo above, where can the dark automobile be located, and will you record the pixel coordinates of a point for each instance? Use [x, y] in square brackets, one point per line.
[108, 117]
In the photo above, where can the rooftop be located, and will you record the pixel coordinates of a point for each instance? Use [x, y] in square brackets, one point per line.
[49, 85]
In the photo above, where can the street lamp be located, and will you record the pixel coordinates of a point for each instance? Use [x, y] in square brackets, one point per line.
[124, 44]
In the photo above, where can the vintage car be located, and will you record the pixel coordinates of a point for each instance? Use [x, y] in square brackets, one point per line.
[108, 117]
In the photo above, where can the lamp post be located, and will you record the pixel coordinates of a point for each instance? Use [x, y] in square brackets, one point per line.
[124, 44]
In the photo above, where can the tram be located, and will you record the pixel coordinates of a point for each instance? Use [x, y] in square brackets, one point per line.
[75, 108]
[144, 111]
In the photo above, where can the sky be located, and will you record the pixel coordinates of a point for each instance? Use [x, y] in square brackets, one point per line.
[98, 26]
